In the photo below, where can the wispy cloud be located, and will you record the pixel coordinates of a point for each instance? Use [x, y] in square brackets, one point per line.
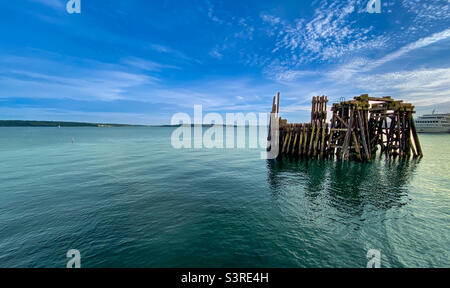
[102, 81]
[228, 94]
[174, 52]
[216, 54]
[422, 86]
[423, 42]
[360, 65]
[430, 10]
[114, 82]
[330, 34]
[211, 13]
[147, 65]
[101, 85]
[55, 4]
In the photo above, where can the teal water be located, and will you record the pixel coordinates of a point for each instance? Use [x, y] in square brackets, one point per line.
[125, 198]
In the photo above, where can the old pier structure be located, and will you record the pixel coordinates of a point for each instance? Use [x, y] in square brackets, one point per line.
[358, 128]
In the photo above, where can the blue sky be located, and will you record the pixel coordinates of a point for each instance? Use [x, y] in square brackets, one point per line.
[138, 61]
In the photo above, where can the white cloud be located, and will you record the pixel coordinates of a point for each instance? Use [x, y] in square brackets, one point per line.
[423, 87]
[290, 75]
[272, 20]
[434, 10]
[211, 14]
[360, 65]
[55, 4]
[330, 34]
[176, 53]
[216, 54]
[423, 42]
[246, 30]
[226, 94]
[101, 81]
[146, 65]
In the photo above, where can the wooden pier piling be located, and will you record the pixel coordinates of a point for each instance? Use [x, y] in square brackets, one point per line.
[357, 130]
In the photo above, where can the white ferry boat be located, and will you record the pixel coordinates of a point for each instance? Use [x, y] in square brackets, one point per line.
[433, 123]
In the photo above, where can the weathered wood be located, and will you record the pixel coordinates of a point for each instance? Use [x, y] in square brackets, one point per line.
[305, 134]
[366, 126]
[300, 142]
[316, 142]
[285, 142]
[357, 146]
[356, 130]
[289, 141]
[278, 103]
[295, 141]
[398, 134]
[330, 138]
[322, 148]
[311, 142]
[342, 121]
[269, 137]
[416, 139]
[363, 135]
[348, 135]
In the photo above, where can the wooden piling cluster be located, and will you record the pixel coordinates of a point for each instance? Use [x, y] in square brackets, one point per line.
[306, 139]
[392, 127]
[358, 128]
[349, 137]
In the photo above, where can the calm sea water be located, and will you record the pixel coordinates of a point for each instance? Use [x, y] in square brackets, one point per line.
[125, 198]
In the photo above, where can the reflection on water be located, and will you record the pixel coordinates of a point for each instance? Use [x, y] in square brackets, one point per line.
[347, 188]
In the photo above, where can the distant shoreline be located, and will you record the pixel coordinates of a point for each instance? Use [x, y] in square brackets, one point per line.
[26, 123]
[33, 123]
